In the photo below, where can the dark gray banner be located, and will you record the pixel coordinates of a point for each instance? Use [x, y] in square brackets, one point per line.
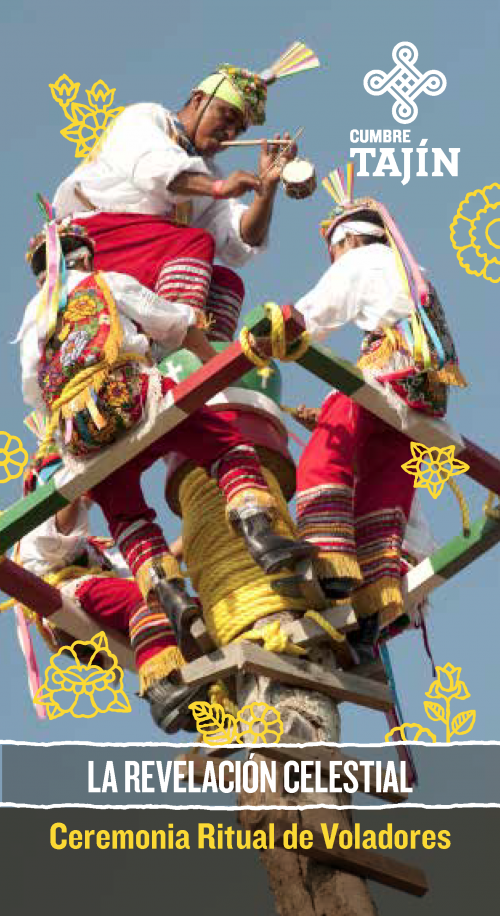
[35, 875]
[34, 775]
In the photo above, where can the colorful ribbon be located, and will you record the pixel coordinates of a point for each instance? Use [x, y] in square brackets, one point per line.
[54, 292]
[26, 643]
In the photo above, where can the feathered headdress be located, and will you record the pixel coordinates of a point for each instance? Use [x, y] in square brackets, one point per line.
[297, 58]
[247, 90]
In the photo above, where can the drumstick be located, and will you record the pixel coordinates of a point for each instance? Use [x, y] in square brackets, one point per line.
[287, 147]
[253, 142]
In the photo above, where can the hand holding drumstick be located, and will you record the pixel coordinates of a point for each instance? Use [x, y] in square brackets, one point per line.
[270, 164]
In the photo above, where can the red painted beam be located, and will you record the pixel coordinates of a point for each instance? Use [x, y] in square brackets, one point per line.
[484, 467]
[220, 372]
[31, 590]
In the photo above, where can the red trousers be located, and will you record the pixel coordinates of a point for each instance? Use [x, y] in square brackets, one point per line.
[118, 603]
[353, 499]
[213, 443]
[173, 261]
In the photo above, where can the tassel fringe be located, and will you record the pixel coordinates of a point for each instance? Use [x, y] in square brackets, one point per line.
[159, 666]
[381, 597]
[248, 501]
[337, 565]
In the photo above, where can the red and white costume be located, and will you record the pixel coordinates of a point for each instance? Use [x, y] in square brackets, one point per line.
[166, 241]
[212, 442]
[353, 498]
[112, 600]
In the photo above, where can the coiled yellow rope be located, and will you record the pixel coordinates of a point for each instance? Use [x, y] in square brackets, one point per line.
[278, 340]
[233, 590]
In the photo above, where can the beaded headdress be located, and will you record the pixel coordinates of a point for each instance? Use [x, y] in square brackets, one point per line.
[248, 90]
[65, 230]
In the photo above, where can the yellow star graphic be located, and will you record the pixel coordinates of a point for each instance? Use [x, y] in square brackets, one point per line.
[432, 467]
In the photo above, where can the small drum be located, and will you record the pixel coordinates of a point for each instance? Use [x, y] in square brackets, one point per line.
[299, 179]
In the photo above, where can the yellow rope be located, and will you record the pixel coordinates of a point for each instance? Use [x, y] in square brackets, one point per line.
[278, 340]
[76, 572]
[462, 502]
[489, 509]
[273, 639]
[219, 694]
[234, 591]
[334, 634]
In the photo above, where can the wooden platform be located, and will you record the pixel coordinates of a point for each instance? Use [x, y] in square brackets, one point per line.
[245, 657]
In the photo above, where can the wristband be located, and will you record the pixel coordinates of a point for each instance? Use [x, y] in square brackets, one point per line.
[217, 189]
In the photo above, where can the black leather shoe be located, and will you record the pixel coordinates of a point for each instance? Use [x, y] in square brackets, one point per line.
[337, 588]
[364, 639]
[169, 705]
[180, 609]
[271, 551]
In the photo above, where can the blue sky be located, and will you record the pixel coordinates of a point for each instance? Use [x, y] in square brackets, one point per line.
[158, 52]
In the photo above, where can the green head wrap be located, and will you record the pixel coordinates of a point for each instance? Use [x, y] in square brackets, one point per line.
[241, 88]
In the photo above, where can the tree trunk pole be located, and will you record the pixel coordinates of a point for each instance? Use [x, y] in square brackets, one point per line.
[301, 885]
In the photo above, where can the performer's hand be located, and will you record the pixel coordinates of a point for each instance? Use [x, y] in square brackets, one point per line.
[307, 416]
[196, 342]
[238, 183]
[270, 154]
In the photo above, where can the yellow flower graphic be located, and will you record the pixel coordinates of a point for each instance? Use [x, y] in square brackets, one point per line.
[64, 91]
[448, 683]
[432, 467]
[261, 723]
[13, 457]
[87, 122]
[83, 690]
[475, 233]
[447, 687]
[258, 721]
[399, 733]
[104, 95]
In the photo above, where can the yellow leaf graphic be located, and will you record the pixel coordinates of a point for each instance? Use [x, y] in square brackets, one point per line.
[435, 711]
[212, 721]
[463, 722]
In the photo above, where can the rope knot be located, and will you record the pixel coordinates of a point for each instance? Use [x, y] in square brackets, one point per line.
[274, 639]
[278, 340]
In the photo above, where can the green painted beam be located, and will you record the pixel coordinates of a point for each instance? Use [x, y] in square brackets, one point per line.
[28, 513]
